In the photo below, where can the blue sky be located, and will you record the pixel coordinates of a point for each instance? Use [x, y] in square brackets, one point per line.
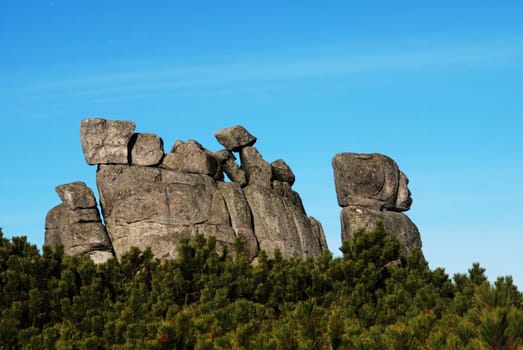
[436, 85]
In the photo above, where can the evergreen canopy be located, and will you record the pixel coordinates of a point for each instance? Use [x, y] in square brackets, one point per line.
[370, 298]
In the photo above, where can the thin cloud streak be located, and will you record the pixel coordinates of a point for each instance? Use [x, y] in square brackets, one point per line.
[264, 69]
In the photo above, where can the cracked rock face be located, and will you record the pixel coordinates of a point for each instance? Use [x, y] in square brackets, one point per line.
[370, 187]
[106, 141]
[76, 224]
[149, 199]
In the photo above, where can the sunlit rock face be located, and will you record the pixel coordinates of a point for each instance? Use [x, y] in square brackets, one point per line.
[76, 224]
[150, 198]
[371, 188]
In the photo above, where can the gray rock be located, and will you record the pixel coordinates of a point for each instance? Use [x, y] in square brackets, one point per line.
[257, 170]
[218, 174]
[240, 214]
[143, 202]
[105, 141]
[76, 224]
[76, 195]
[224, 155]
[282, 172]
[284, 189]
[274, 227]
[403, 199]
[190, 157]
[109, 177]
[318, 233]
[368, 180]
[146, 149]
[397, 224]
[153, 200]
[227, 160]
[234, 138]
[310, 246]
[100, 256]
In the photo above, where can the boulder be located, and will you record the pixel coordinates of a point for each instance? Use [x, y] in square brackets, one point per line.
[282, 172]
[190, 157]
[397, 224]
[106, 141]
[258, 171]
[76, 195]
[234, 138]
[227, 160]
[368, 180]
[371, 188]
[146, 149]
[76, 224]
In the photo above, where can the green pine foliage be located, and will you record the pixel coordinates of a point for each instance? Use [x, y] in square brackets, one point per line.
[370, 298]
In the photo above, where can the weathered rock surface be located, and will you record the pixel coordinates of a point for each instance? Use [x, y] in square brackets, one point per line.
[257, 170]
[318, 232]
[190, 157]
[227, 160]
[398, 224]
[76, 224]
[371, 188]
[234, 138]
[106, 141]
[149, 199]
[403, 198]
[76, 195]
[152, 199]
[240, 214]
[146, 149]
[368, 180]
[282, 172]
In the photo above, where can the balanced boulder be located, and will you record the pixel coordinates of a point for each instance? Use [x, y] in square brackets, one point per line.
[234, 138]
[76, 224]
[371, 188]
[106, 141]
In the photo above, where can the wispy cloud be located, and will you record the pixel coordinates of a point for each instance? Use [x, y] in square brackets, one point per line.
[274, 67]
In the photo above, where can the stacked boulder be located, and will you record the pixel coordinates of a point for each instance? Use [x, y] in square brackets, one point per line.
[371, 188]
[76, 224]
[152, 199]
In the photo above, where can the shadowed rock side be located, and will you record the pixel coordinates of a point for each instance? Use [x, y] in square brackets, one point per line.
[152, 199]
[370, 187]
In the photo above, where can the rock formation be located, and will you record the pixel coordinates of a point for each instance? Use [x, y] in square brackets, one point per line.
[76, 223]
[370, 187]
[152, 199]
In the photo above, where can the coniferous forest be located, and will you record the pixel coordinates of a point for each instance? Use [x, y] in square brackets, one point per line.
[369, 298]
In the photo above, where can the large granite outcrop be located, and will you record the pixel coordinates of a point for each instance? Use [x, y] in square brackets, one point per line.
[152, 199]
[371, 188]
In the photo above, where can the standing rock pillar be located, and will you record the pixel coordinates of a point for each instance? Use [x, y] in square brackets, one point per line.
[371, 188]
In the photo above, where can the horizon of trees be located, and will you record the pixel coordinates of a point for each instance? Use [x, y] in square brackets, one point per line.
[369, 298]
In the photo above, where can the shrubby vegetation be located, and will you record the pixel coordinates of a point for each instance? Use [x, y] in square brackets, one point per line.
[369, 298]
